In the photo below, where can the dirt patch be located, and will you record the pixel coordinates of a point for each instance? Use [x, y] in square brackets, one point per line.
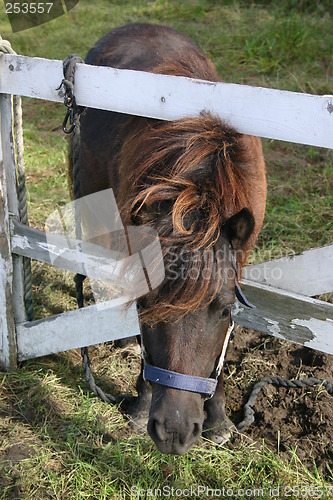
[287, 419]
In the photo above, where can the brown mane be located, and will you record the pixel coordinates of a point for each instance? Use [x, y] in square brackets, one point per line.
[186, 182]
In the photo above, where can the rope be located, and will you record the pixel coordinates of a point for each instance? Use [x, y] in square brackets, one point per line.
[248, 410]
[73, 115]
[6, 48]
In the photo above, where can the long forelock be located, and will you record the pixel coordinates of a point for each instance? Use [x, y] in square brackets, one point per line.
[185, 179]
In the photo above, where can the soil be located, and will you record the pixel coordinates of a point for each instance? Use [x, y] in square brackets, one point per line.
[287, 419]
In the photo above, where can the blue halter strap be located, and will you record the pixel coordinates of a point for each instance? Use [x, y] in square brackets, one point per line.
[179, 381]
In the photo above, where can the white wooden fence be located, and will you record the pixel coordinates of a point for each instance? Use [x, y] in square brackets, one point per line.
[284, 305]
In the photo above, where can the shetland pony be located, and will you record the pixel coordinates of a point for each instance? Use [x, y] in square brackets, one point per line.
[202, 187]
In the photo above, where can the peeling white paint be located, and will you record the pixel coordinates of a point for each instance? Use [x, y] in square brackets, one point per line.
[274, 328]
[181, 94]
[322, 331]
[53, 249]
[21, 242]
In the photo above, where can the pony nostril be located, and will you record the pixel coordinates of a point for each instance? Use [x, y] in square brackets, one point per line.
[197, 429]
[156, 430]
[192, 435]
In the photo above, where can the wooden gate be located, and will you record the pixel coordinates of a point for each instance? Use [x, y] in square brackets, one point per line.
[284, 305]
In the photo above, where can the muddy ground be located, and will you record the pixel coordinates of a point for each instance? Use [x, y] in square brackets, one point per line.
[287, 419]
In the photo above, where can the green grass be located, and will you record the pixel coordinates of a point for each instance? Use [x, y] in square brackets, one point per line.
[59, 442]
[300, 199]
[69, 446]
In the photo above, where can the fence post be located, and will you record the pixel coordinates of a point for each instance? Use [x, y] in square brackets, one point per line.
[12, 306]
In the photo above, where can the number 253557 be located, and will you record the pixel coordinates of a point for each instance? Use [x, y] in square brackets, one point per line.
[28, 8]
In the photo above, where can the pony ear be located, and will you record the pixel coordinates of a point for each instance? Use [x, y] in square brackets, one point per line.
[239, 228]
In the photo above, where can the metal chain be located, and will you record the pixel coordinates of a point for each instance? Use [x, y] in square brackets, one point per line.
[6, 48]
[73, 110]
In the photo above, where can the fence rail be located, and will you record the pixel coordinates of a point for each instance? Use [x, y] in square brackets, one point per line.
[283, 309]
[275, 114]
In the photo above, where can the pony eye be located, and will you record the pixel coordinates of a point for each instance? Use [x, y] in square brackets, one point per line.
[225, 313]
